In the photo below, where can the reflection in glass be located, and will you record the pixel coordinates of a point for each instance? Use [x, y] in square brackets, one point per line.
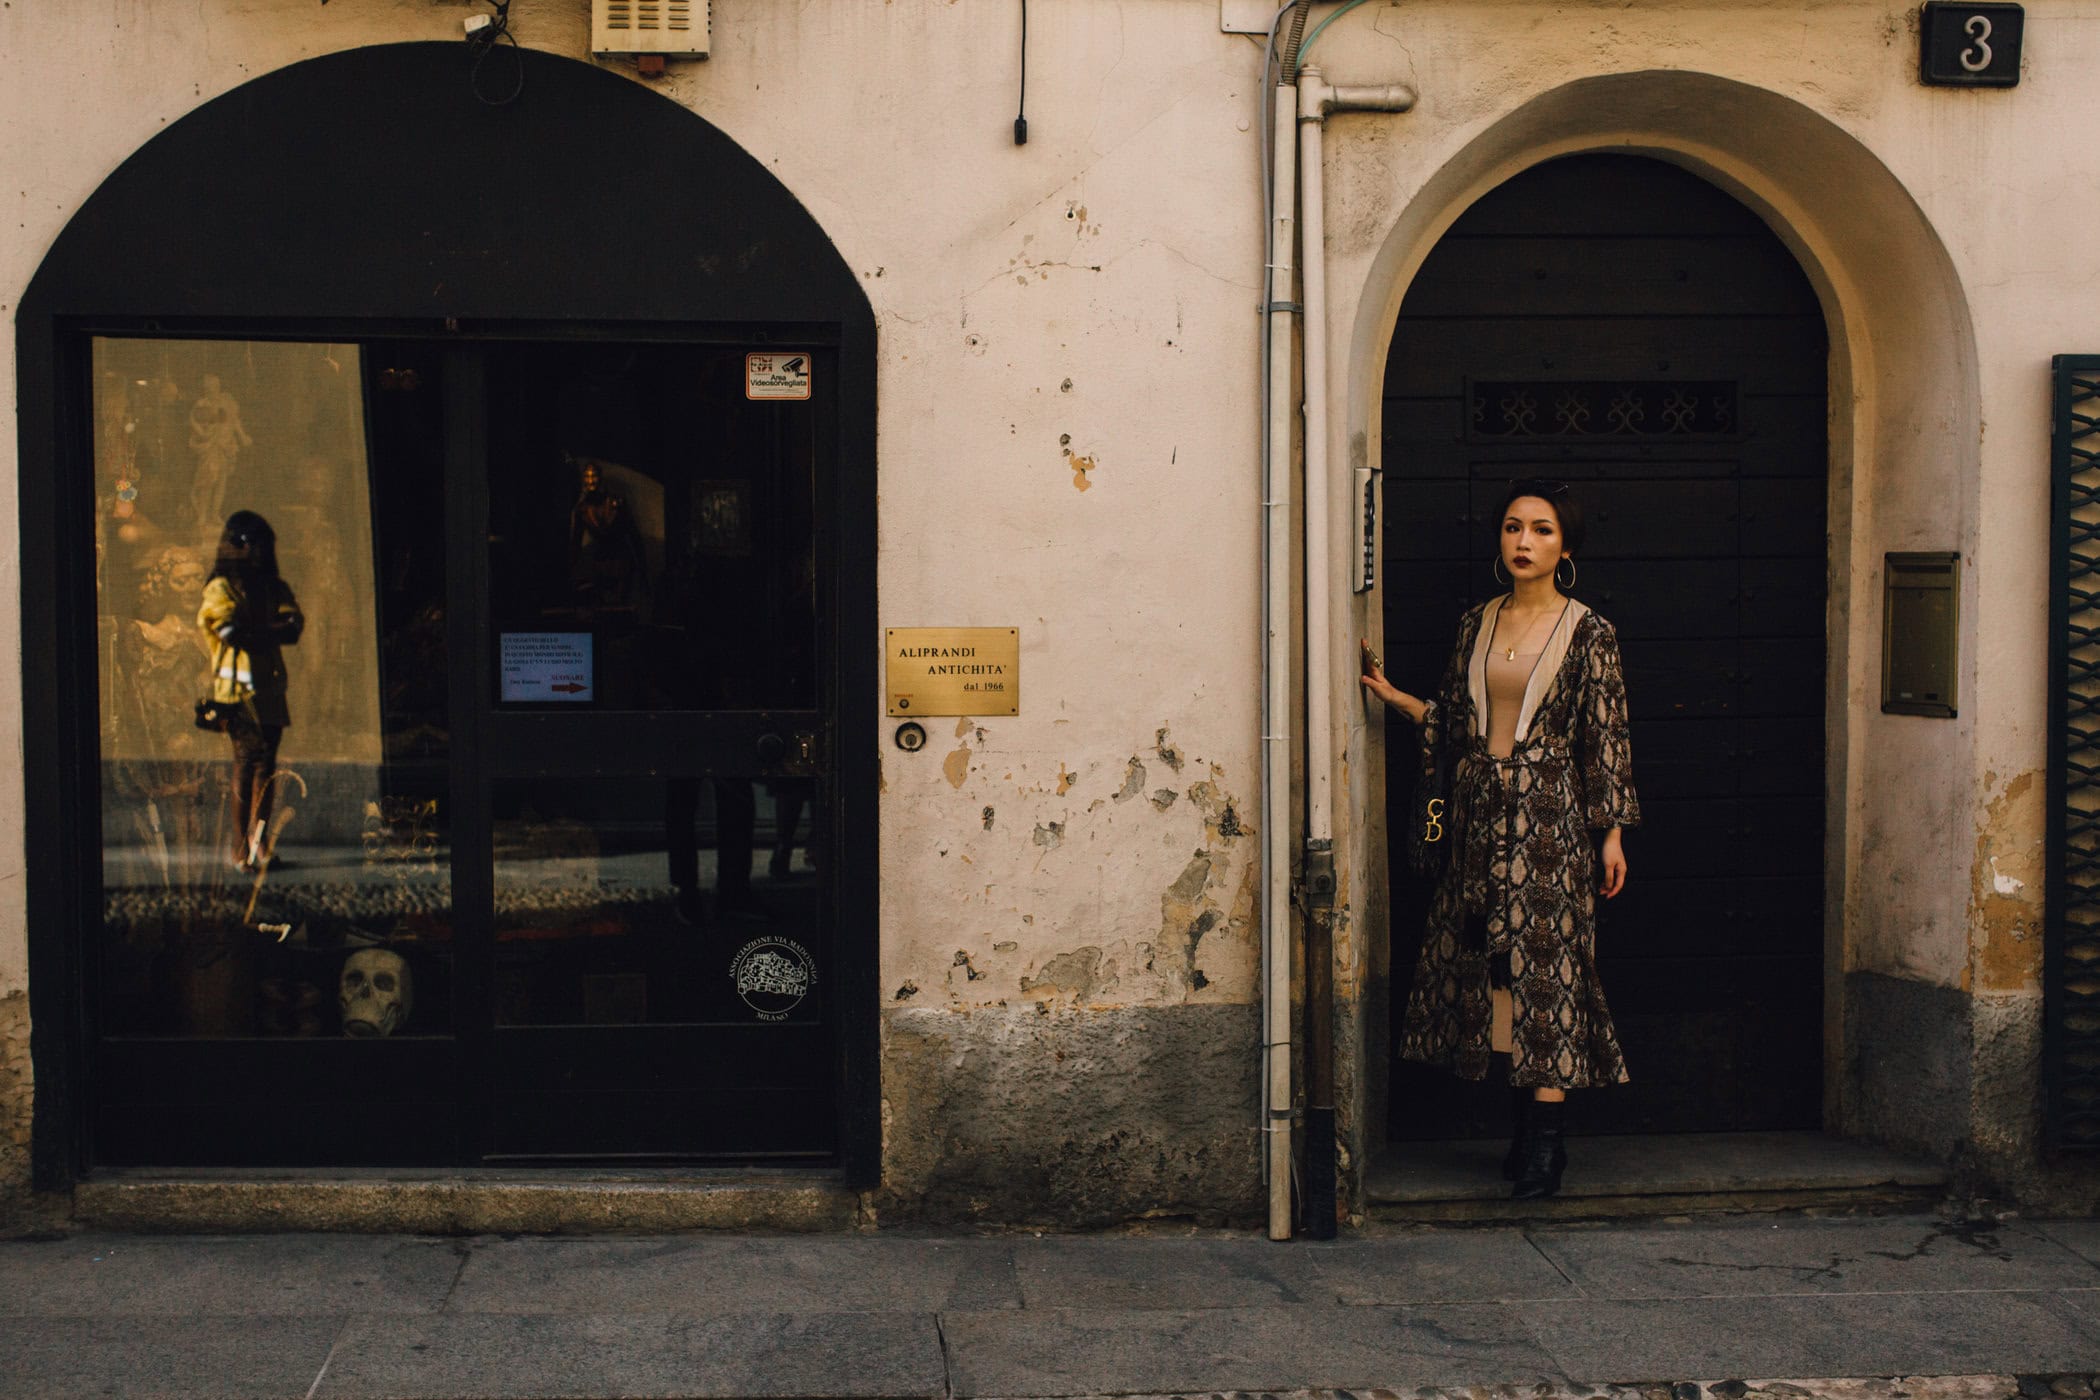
[271, 760]
[637, 499]
[631, 901]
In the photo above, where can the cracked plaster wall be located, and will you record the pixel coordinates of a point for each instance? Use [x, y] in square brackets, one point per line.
[1067, 406]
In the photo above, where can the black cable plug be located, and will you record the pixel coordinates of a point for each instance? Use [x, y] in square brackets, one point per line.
[1021, 107]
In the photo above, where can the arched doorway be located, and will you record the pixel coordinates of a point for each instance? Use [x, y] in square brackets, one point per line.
[562, 411]
[1619, 323]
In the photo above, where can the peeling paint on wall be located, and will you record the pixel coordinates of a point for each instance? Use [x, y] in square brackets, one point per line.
[1221, 816]
[2006, 891]
[1093, 948]
[957, 766]
[1187, 915]
[1080, 976]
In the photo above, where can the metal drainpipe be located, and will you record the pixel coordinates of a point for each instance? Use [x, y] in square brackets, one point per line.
[1277, 959]
[1316, 99]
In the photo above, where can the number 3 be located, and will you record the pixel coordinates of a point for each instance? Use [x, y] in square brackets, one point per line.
[1979, 29]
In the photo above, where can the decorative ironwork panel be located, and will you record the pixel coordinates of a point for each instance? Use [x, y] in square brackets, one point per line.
[2071, 1071]
[1573, 409]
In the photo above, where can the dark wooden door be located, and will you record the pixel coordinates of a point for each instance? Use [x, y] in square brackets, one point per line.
[1616, 322]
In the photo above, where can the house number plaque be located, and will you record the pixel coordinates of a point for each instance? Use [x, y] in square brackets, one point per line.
[1970, 45]
[953, 671]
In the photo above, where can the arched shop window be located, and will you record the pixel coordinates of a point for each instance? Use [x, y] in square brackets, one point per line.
[443, 759]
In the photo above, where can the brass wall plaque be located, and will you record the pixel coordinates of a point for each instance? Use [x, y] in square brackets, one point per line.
[954, 670]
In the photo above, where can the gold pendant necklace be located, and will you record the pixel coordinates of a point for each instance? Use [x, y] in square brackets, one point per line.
[1510, 652]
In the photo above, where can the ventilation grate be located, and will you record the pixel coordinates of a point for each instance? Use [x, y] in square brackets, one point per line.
[1508, 410]
[674, 27]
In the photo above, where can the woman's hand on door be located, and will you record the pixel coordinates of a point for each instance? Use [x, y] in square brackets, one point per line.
[1614, 864]
[1373, 678]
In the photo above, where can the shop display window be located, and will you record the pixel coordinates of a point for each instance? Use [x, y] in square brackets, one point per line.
[463, 753]
[269, 559]
[651, 532]
[619, 897]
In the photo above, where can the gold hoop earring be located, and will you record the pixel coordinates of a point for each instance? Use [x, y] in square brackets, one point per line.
[1497, 564]
[1569, 560]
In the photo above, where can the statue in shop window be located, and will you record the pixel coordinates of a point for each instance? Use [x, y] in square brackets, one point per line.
[217, 437]
[606, 563]
[158, 764]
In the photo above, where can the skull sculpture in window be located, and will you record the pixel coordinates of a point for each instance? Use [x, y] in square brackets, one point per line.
[375, 992]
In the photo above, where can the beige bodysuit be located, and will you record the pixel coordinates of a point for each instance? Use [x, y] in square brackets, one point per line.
[1506, 682]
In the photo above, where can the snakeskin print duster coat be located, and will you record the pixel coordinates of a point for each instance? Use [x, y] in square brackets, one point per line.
[1520, 883]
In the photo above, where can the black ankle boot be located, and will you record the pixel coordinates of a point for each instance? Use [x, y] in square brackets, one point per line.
[1519, 1115]
[1543, 1154]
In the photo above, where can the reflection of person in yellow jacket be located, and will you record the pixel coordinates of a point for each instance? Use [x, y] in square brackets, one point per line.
[250, 616]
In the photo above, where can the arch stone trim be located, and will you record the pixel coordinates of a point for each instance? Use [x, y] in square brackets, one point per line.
[1905, 467]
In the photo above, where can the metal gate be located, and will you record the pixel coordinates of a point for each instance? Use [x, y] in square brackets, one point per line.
[2071, 1066]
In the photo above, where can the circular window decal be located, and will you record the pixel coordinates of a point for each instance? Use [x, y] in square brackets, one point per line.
[773, 975]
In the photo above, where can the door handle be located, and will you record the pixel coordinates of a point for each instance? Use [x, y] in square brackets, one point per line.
[799, 754]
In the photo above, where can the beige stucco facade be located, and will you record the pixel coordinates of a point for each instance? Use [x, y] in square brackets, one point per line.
[1068, 431]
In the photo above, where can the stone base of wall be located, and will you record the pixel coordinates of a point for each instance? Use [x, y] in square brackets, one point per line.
[1958, 1077]
[1908, 1063]
[477, 1203]
[16, 1100]
[1071, 1119]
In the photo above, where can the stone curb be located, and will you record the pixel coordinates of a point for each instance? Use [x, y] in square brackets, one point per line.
[2070, 1386]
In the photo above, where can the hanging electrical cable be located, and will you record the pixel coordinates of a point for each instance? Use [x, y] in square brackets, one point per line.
[1021, 113]
[484, 42]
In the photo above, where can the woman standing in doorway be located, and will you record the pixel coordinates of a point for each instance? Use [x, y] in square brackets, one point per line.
[250, 616]
[1530, 722]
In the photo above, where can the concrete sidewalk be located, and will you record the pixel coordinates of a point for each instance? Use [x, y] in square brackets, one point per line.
[1562, 1307]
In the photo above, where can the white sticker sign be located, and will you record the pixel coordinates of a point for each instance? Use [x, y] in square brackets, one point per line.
[776, 374]
[545, 667]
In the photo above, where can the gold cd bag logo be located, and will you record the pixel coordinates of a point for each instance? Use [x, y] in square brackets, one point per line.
[1433, 828]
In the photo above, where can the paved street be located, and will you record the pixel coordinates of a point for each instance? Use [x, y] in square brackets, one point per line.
[1568, 1307]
